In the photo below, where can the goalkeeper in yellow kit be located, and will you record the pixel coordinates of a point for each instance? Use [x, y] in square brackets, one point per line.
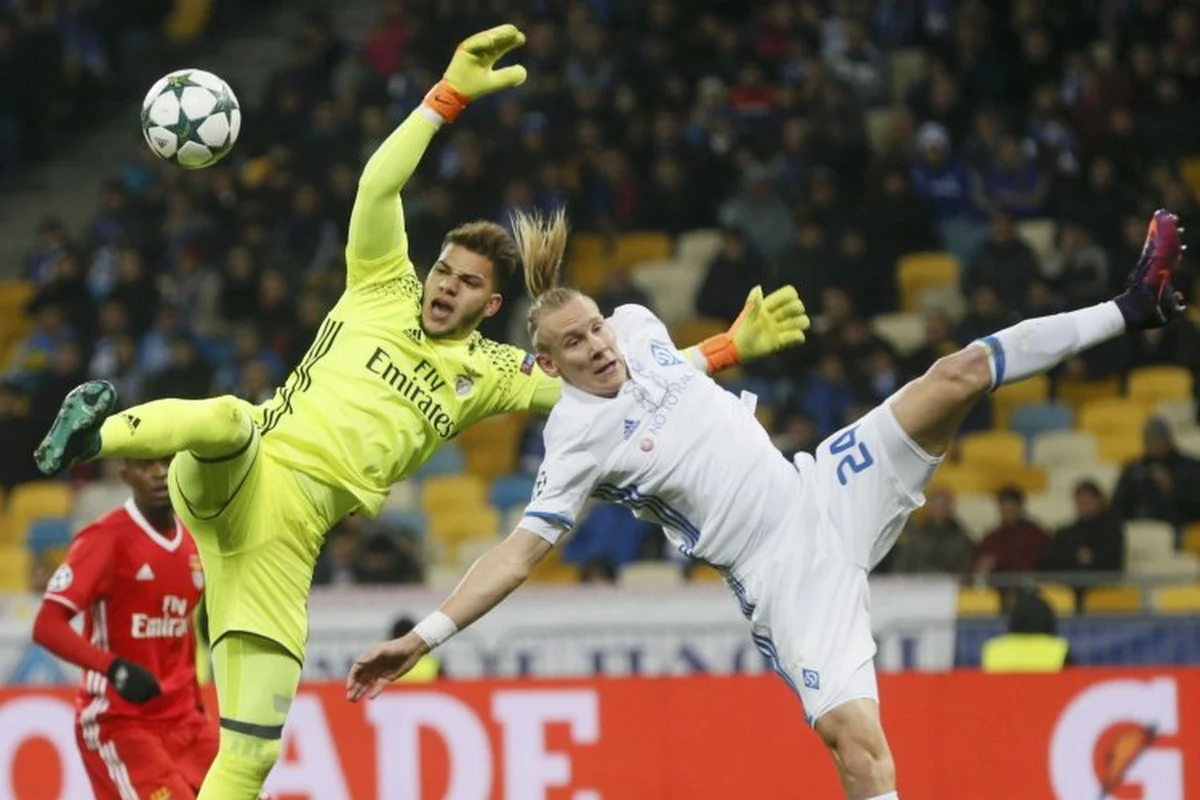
[396, 370]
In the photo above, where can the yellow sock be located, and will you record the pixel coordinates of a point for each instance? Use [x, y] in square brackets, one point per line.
[256, 680]
[208, 428]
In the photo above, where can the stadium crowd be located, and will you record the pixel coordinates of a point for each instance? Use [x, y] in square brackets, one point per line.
[804, 130]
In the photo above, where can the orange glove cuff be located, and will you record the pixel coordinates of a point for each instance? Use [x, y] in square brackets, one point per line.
[719, 352]
[445, 101]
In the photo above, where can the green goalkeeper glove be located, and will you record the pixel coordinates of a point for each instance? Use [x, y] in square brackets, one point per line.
[471, 76]
[765, 326]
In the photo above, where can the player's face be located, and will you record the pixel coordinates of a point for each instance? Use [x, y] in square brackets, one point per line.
[459, 292]
[148, 480]
[580, 347]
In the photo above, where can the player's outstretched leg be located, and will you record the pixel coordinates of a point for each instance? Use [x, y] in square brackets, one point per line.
[931, 408]
[256, 681]
[87, 428]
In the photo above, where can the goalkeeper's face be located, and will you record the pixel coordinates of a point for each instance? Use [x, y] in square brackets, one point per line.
[578, 345]
[459, 293]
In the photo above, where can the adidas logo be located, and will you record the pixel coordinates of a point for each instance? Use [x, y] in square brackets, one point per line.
[145, 573]
[131, 421]
[630, 427]
[414, 334]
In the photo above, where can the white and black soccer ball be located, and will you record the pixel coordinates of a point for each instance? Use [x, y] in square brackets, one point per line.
[191, 118]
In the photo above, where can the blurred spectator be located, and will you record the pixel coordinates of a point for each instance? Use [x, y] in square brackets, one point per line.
[810, 264]
[941, 178]
[1032, 643]
[1015, 185]
[796, 433]
[50, 331]
[828, 398]
[760, 212]
[734, 271]
[385, 559]
[1161, 484]
[609, 534]
[335, 566]
[619, 289]
[986, 314]
[1015, 545]
[1080, 267]
[19, 436]
[1095, 542]
[1004, 261]
[901, 220]
[937, 343]
[185, 374]
[937, 544]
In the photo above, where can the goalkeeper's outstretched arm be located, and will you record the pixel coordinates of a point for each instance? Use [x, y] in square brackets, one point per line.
[377, 241]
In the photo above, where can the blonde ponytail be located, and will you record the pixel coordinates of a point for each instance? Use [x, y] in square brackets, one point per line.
[542, 241]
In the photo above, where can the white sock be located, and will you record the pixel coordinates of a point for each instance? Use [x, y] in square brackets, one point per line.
[888, 796]
[1037, 345]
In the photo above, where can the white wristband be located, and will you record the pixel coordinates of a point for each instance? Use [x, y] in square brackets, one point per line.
[435, 629]
[431, 115]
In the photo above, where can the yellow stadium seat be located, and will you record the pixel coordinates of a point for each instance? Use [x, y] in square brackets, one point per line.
[696, 330]
[1152, 385]
[672, 287]
[1031, 391]
[15, 565]
[589, 273]
[1190, 170]
[961, 479]
[491, 464]
[1112, 599]
[453, 492]
[633, 248]
[1058, 597]
[30, 501]
[919, 271]
[1191, 538]
[14, 296]
[978, 601]
[451, 527]
[1077, 393]
[499, 432]
[990, 448]
[1183, 599]
[1105, 417]
[1120, 447]
[1031, 480]
[703, 573]
[588, 245]
[188, 19]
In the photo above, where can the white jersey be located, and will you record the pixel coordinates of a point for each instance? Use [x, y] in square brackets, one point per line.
[673, 447]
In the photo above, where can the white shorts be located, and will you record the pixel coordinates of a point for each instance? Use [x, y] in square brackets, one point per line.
[813, 609]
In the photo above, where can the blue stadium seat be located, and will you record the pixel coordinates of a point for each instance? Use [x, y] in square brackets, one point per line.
[448, 460]
[1031, 420]
[48, 533]
[511, 490]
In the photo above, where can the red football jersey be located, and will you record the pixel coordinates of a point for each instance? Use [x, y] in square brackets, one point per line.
[137, 590]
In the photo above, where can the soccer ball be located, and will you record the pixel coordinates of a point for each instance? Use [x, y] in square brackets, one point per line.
[191, 118]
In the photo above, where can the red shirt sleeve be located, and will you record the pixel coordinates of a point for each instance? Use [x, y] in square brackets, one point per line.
[84, 576]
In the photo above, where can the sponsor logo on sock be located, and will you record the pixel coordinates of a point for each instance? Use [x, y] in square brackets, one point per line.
[131, 421]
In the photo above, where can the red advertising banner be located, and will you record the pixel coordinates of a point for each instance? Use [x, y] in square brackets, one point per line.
[1081, 735]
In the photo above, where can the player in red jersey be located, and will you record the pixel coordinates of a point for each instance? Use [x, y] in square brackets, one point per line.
[135, 576]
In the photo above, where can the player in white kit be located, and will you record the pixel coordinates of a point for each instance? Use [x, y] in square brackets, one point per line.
[641, 425]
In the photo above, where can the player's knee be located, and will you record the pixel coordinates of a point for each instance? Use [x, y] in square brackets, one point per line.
[866, 764]
[964, 376]
[245, 759]
[229, 419]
